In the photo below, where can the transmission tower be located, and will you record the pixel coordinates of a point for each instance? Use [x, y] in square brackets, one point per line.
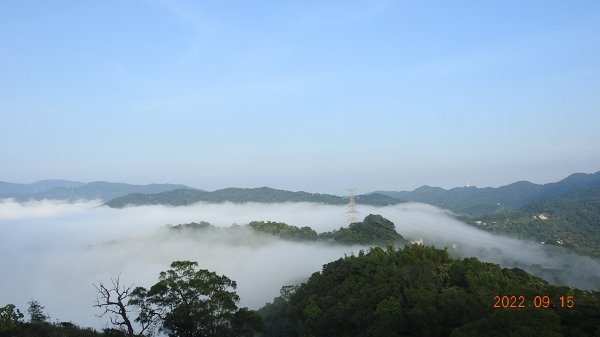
[351, 211]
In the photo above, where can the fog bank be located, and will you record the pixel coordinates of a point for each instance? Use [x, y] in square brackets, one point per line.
[54, 251]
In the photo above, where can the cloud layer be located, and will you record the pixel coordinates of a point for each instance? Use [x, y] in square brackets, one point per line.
[54, 251]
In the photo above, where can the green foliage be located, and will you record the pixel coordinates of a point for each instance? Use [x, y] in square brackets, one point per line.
[10, 316]
[421, 291]
[193, 225]
[36, 312]
[526, 322]
[278, 315]
[284, 231]
[11, 324]
[194, 302]
[62, 329]
[374, 229]
[570, 220]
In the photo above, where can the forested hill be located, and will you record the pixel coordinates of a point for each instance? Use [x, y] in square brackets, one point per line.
[374, 230]
[479, 201]
[72, 190]
[571, 220]
[421, 291]
[241, 195]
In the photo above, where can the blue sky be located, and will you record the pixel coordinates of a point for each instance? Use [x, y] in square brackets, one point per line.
[306, 95]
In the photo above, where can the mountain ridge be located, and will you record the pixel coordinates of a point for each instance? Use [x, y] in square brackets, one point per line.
[241, 195]
[73, 190]
[469, 200]
[570, 219]
[477, 201]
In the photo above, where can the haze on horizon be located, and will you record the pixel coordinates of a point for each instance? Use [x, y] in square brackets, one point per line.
[307, 96]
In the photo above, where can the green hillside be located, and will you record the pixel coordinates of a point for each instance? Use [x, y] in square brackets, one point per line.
[479, 201]
[373, 230]
[413, 291]
[240, 195]
[571, 220]
[421, 291]
[284, 231]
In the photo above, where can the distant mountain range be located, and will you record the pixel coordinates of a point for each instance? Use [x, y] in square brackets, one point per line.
[13, 190]
[478, 201]
[74, 190]
[565, 213]
[240, 195]
[462, 200]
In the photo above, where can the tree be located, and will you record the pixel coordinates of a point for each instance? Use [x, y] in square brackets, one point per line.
[36, 312]
[194, 302]
[10, 316]
[114, 300]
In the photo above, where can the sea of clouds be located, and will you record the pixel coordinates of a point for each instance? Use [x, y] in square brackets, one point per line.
[54, 251]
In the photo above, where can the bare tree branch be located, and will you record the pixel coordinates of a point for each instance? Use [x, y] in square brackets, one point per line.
[112, 301]
[119, 302]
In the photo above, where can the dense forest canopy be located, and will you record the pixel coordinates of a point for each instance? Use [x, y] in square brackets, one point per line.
[421, 291]
[413, 291]
[373, 230]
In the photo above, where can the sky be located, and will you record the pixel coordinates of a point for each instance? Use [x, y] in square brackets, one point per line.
[301, 95]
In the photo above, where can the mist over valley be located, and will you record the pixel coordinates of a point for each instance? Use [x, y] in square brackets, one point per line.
[56, 250]
[364, 168]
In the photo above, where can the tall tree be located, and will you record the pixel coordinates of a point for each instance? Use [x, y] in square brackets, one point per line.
[36, 312]
[193, 302]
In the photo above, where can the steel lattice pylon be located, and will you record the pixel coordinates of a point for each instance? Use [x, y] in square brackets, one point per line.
[351, 212]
